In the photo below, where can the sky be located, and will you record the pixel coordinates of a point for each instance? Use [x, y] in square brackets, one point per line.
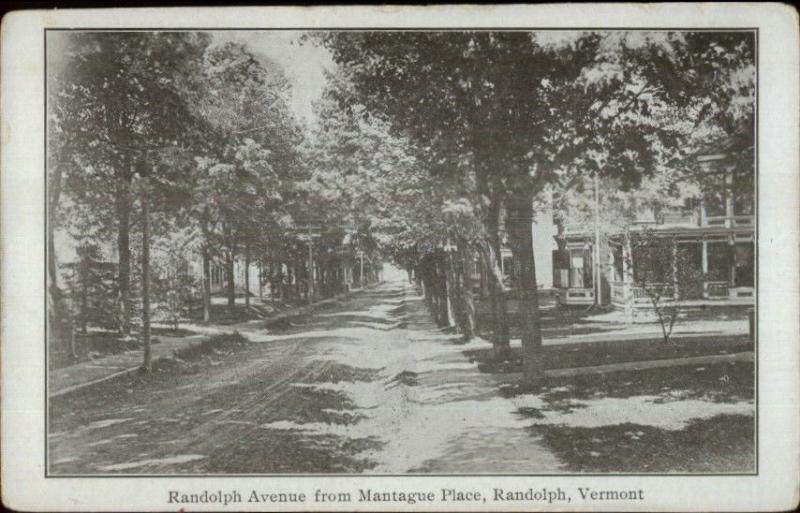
[304, 64]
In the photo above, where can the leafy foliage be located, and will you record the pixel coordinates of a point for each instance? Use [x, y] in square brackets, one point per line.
[664, 272]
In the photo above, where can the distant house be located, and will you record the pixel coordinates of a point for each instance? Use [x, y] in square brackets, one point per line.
[717, 232]
[218, 277]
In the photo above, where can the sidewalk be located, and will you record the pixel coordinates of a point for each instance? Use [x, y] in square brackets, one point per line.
[747, 356]
[652, 331]
[74, 377]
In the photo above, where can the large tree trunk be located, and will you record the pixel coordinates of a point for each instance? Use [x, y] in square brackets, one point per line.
[491, 193]
[520, 218]
[123, 209]
[230, 278]
[206, 274]
[84, 273]
[440, 287]
[230, 274]
[55, 197]
[452, 293]
[290, 278]
[148, 363]
[501, 337]
[277, 287]
[206, 284]
[463, 304]
[272, 280]
[500, 333]
[466, 259]
[425, 273]
[59, 323]
[247, 276]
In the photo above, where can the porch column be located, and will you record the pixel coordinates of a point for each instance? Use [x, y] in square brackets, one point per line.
[627, 270]
[705, 256]
[732, 262]
[728, 197]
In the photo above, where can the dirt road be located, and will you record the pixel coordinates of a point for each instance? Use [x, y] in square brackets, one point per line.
[347, 390]
[367, 385]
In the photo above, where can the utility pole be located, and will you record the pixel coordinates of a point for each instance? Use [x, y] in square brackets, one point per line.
[598, 271]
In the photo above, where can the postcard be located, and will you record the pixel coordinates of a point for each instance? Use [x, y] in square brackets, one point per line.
[443, 258]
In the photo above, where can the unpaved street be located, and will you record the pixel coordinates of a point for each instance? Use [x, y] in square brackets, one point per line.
[372, 385]
[369, 385]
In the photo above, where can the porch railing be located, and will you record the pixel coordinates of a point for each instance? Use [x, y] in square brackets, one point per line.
[627, 295]
[729, 221]
[715, 220]
[716, 289]
[679, 218]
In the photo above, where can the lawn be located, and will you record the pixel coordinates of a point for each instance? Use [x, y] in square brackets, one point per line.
[97, 344]
[678, 419]
[587, 354]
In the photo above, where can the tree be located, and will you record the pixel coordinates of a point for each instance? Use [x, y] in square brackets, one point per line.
[116, 90]
[90, 283]
[664, 273]
[242, 183]
[174, 287]
[358, 168]
[465, 94]
[530, 110]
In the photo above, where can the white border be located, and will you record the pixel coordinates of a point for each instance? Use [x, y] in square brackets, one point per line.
[22, 273]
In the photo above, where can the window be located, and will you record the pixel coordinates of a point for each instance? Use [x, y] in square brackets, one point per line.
[744, 263]
[743, 189]
[693, 251]
[743, 205]
[508, 266]
[715, 196]
[616, 253]
[560, 268]
[580, 269]
[715, 204]
[719, 261]
[692, 254]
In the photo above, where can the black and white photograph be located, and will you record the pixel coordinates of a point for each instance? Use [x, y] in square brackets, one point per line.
[338, 255]
[388, 252]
